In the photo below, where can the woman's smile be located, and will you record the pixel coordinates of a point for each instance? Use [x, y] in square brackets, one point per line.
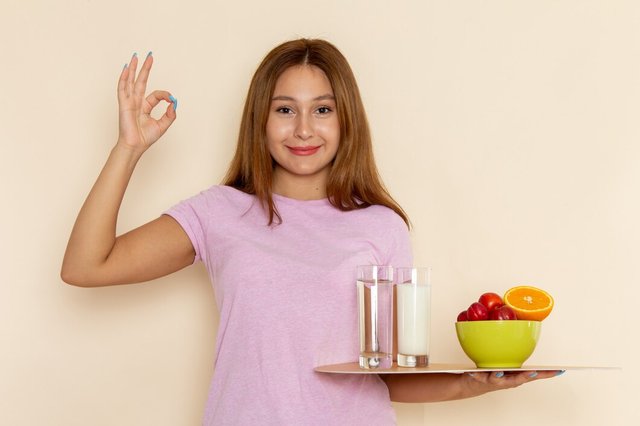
[303, 150]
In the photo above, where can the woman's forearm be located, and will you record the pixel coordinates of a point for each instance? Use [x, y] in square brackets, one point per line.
[94, 232]
[434, 387]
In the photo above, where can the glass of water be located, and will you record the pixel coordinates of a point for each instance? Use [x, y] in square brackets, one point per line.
[375, 315]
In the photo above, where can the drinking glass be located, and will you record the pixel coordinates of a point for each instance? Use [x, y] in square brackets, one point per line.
[413, 289]
[375, 315]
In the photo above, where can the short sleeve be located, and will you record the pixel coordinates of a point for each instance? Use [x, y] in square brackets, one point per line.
[191, 216]
[400, 253]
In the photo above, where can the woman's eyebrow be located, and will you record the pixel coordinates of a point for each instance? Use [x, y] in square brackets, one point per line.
[328, 96]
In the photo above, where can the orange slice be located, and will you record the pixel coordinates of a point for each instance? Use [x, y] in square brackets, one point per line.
[530, 303]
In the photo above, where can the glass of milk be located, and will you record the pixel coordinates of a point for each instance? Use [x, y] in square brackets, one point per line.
[413, 304]
[375, 316]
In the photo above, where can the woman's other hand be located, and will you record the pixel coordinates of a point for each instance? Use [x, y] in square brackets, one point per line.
[479, 383]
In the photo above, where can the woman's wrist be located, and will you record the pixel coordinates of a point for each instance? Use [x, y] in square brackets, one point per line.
[127, 152]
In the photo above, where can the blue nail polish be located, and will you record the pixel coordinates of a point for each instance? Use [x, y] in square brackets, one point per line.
[560, 373]
[125, 66]
[534, 374]
[135, 54]
[499, 374]
[174, 101]
[149, 54]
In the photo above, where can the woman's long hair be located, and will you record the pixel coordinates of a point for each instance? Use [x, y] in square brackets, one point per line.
[354, 181]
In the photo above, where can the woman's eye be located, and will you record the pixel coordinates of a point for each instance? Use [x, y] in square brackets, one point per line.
[284, 110]
[324, 110]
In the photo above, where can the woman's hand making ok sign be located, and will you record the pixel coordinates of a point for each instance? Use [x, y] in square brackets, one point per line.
[138, 130]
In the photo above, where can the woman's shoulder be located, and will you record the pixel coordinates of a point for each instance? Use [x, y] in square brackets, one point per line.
[382, 216]
[224, 192]
[218, 197]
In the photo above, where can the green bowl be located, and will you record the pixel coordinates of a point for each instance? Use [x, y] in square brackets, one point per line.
[498, 344]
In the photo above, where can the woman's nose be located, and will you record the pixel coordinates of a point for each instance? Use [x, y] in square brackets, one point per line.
[304, 128]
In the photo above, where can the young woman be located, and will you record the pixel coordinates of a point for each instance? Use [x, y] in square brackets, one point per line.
[302, 204]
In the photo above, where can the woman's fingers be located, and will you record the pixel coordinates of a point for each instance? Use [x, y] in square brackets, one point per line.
[137, 126]
[167, 118]
[127, 79]
[122, 81]
[151, 127]
[505, 380]
[129, 84]
[154, 99]
[140, 85]
[131, 77]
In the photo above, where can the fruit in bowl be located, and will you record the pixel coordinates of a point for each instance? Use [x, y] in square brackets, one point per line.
[498, 343]
[529, 303]
[502, 332]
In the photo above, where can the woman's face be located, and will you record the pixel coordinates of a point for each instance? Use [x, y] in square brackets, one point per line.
[303, 131]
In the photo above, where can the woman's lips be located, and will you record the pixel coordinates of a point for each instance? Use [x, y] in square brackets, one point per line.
[303, 150]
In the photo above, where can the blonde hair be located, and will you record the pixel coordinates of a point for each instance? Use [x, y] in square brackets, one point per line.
[354, 181]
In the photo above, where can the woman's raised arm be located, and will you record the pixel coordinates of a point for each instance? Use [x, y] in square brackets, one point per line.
[94, 255]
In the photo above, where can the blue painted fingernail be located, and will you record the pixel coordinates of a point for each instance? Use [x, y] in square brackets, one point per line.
[174, 101]
[135, 54]
[534, 374]
[499, 374]
[560, 373]
[149, 54]
[125, 66]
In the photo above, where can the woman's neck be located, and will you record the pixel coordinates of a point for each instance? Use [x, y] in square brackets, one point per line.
[312, 187]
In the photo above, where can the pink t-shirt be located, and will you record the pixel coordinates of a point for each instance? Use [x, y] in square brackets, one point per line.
[287, 300]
